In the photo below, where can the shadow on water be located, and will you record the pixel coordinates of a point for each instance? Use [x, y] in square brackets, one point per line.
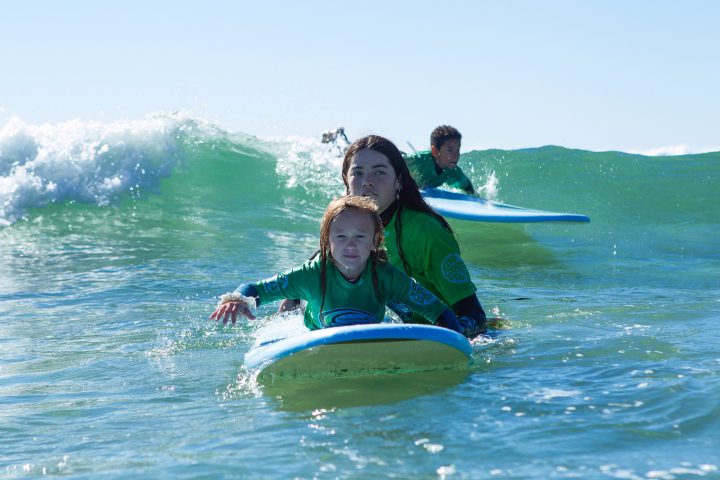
[300, 395]
[500, 245]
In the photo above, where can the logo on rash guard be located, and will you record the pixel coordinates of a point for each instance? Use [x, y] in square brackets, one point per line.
[419, 294]
[453, 269]
[346, 316]
[276, 284]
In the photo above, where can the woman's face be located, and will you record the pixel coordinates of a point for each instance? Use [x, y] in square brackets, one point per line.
[370, 174]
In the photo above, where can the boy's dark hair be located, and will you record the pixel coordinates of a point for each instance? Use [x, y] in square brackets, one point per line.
[442, 134]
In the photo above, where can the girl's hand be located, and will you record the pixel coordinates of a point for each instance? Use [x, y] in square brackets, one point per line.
[231, 310]
[230, 305]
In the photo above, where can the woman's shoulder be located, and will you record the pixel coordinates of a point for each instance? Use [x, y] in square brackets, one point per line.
[421, 221]
[423, 232]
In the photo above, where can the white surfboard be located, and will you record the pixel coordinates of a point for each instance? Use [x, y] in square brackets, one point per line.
[468, 207]
[358, 350]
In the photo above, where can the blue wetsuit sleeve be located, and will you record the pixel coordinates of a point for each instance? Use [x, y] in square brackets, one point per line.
[249, 290]
[471, 315]
[448, 319]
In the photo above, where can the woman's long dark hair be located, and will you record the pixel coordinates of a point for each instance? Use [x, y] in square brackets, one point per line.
[409, 195]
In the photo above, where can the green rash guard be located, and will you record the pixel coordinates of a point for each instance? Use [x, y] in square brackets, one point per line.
[349, 303]
[424, 170]
[432, 256]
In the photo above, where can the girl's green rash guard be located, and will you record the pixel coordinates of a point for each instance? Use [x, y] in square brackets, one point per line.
[347, 303]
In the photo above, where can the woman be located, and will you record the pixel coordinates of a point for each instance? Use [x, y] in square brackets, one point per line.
[418, 240]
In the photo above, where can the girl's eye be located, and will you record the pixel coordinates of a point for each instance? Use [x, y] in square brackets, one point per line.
[379, 172]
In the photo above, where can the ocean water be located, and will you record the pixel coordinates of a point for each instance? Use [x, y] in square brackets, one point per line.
[116, 239]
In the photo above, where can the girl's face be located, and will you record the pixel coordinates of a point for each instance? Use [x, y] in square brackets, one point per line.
[352, 238]
[371, 174]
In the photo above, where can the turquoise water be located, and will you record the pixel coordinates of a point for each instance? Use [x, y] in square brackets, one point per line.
[116, 238]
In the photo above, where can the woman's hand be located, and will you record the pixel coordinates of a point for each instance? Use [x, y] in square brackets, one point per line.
[230, 310]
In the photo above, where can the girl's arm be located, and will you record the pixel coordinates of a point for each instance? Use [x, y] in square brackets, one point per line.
[291, 284]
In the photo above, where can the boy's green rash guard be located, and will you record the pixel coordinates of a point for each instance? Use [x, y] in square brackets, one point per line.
[432, 256]
[422, 168]
[349, 303]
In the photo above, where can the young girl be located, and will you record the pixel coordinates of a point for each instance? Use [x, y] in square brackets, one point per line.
[349, 283]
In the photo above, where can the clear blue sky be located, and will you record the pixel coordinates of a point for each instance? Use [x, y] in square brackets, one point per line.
[601, 75]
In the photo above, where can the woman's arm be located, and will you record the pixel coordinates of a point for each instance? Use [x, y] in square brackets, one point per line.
[471, 316]
[447, 319]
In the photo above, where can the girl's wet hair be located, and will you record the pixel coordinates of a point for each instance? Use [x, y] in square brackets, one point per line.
[333, 210]
[408, 195]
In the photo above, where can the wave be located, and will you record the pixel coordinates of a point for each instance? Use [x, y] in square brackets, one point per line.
[85, 161]
[184, 156]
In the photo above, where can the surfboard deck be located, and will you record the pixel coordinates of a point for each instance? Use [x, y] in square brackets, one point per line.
[468, 207]
[357, 350]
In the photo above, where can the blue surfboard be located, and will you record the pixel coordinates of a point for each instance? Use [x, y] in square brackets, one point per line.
[357, 350]
[468, 207]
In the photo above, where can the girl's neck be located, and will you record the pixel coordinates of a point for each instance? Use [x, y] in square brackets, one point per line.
[351, 277]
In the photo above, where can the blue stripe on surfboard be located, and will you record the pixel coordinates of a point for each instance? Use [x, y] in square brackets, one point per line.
[272, 352]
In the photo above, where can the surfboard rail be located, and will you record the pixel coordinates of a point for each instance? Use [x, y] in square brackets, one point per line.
[468, 207]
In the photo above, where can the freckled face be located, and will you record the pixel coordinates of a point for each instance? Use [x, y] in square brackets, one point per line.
[370, 174]
[352, 238]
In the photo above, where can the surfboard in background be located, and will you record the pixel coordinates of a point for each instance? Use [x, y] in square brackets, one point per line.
[468, 207]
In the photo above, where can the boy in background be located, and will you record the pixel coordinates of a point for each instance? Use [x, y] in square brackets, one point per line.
[439, 165]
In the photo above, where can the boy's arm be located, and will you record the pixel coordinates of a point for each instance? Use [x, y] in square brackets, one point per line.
[458, 179]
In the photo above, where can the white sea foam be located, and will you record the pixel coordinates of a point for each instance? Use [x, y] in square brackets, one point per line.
[490, 188]
[671, 150]
[278, 327]
[309, 164]
[84, 161]
[547, 394]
